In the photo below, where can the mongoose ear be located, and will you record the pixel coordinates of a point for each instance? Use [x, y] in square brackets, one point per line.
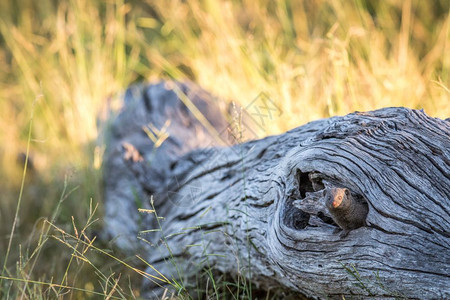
[347, 192]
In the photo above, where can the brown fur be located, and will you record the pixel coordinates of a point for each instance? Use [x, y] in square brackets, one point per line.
[347, 211]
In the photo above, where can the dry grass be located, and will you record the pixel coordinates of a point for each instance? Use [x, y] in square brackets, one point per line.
[66, 60]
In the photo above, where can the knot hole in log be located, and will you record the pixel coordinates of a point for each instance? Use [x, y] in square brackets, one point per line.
[307, 202]
[299, 207]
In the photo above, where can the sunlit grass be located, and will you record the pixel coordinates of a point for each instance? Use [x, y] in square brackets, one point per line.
[314, 59]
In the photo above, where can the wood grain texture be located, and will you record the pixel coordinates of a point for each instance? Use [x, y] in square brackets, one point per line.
[235, 208]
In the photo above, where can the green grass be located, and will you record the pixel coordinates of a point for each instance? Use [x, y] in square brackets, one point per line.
[66, 63]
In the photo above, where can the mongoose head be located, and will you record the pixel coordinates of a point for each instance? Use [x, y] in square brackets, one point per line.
[337, 198]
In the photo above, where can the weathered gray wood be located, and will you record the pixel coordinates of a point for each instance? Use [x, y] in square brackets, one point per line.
[232, 208]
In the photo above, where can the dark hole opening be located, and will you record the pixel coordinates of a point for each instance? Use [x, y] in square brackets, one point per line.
[295, 218]
[304, 184]
[309, 182]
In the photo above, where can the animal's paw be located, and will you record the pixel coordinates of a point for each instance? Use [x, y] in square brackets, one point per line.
[344, 233]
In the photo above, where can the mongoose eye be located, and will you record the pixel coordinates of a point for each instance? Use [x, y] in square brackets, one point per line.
[339, 198]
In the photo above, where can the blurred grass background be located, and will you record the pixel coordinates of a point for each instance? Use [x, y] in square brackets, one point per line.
[65, 61]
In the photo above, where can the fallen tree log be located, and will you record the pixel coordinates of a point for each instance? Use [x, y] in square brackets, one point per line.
[255, 210]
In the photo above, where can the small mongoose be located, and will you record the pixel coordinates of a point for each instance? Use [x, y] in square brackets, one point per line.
[348, 212]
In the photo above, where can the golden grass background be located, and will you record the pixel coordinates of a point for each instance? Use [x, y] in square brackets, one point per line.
[63, 61]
